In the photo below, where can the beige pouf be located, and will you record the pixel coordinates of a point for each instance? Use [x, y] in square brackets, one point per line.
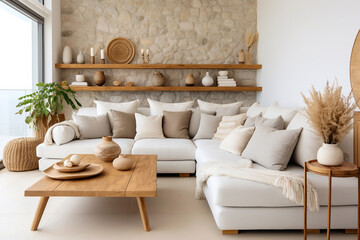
[20, 154]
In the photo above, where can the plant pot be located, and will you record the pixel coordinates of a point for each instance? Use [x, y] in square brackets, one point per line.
[99, 78]
[107, 150]
[330, 155]
[43, 126]
[207, 81]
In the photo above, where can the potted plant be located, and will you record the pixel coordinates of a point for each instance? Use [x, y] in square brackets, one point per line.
[330, 113]
[44, 106]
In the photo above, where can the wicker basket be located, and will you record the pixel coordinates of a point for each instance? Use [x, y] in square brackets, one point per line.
[20, 154]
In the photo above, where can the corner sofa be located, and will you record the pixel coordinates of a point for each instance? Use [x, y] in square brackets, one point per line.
[236, 204]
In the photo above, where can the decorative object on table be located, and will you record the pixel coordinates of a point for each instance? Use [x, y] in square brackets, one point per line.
[122, 163]
[80, 78]
[129, 84]
[102, 56]
[190, 80]
[67, 55]
[92, 56]
[75, 160]
[116, 83]
[80, 58]
[330, 113]
[64, 83]
[207, 81]
[250, 40]
[120, 50]
[107, 150]
[20, 154]
[92, 170]
[60, 166]
[157, 79]
[99, 78]
[224, 81]
[241, 57]
[51, 95]
[68, 164]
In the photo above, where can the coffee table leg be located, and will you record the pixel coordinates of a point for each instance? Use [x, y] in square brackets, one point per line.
[143, 213]
[39, 212]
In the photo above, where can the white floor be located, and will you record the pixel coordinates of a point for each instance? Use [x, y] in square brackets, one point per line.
[174, 214]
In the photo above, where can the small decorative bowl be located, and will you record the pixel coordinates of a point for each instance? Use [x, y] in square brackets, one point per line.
[223, 73]
[116, 83]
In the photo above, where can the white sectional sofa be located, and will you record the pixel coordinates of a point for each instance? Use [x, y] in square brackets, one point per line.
[236, 204]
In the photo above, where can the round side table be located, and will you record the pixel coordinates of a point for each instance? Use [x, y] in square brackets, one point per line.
[346, 169]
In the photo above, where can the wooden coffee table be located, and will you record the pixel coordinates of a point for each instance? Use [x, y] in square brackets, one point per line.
[139, 182]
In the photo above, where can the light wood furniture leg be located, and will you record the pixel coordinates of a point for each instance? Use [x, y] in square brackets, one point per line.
[39, 212]
[305, 201]
[143, 213]
[329, 209]
[228, 232]
[184, 174]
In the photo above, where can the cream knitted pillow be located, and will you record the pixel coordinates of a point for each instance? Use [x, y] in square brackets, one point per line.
[227, 124]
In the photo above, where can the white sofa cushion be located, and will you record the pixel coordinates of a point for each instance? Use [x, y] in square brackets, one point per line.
[63, 134]
[255, 109]
[274, 110]
[85, 146]
[157, 108]
[148, 126]
[237, 140]
[166, 149]
[227, 124]
[212, 107]
[87, 111]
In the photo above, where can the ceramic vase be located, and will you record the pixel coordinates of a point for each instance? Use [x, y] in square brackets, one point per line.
[207, 81]
[80, 58]
[99, 78]
[67, 55]
[190, 80]
[248, 58]
[330, 155]
[157, 79]
[241, 57]
[122, 163]
[107, 150]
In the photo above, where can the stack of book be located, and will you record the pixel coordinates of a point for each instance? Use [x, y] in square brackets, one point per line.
[79, 84]
[225, 81]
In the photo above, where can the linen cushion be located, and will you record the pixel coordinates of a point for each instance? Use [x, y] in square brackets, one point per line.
[211, 107]
[176, 124]
[63, 134]
[148, 126]
[309, 141]
[270, 147]
[255, 109]
[124, 124]
[195, 121]
[250, 121]
[157, 108]
[227, 124]
[237, 140]
[277, 122]
[227, 111]
[93, 127]
[208, 126]
[275, 110]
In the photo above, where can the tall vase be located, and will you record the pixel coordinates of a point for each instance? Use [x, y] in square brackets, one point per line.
[107, 150]
[330, 155]
[80, 58]
[207, 81]
[248, 57]
[99, 78]
[67, 55]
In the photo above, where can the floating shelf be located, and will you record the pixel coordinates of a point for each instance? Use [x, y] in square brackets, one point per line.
[158, 66]
[167, 88]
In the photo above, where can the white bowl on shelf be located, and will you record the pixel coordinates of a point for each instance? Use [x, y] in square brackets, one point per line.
[80, 78]
[223, 73]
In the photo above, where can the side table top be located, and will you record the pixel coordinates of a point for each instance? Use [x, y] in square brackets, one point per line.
[346, 169]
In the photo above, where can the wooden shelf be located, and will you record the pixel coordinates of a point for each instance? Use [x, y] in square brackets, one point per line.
[158, 66]
[167, 88]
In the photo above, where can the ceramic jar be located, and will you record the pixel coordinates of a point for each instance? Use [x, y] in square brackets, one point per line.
[122, 163]
[207, 81]
[99, 78]
[190, 80]
[107, 150]
[80, 58]
[80, 78]
[67, 55]
[157, 79]
[330, 155]
[241, 58]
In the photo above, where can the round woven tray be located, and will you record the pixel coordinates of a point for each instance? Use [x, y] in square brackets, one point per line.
[120, 50]
[20, 154]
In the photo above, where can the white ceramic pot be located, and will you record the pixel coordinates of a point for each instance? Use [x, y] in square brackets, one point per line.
[80, 58]
[223, 73]
[330, 155]
[80, 78]
[207, 81]
[67, 55]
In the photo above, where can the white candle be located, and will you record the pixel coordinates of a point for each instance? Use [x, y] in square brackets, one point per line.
[142, 51]
[147, 52]
[92, 52]
[102, 54]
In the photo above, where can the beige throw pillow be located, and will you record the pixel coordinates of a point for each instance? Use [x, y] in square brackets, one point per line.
[157, 108]
[195, 121]
[211, 107]
[124, 124]
[275, 110]
[208, 126]
[93, 127]
[237, 140]
[176, 124]
[148, 126]
[227, 124]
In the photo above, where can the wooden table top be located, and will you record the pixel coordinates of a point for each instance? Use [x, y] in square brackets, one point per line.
[139, 181]
[346, 169]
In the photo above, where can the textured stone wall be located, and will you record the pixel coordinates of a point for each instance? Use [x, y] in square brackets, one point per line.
[175, 31]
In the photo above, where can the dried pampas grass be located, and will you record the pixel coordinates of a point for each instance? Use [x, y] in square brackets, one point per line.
[250, 39]
[330, 113]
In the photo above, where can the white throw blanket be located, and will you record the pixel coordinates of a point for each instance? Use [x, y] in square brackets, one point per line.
[48, 140]
[291, 184]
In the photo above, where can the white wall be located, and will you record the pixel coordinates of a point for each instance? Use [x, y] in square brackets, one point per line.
[304, 43]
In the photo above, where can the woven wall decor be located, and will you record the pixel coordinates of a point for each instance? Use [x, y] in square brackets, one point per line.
[120, 50]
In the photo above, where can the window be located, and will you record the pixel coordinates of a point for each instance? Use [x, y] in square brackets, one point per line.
[21, 65]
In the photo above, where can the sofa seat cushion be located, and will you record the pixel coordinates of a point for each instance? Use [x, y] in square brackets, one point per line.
[166, 149]
[84, 146]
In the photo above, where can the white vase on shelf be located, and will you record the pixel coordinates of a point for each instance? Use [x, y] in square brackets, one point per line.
[80, 58]
[330, 155]
[207, 81]
[67, 55]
